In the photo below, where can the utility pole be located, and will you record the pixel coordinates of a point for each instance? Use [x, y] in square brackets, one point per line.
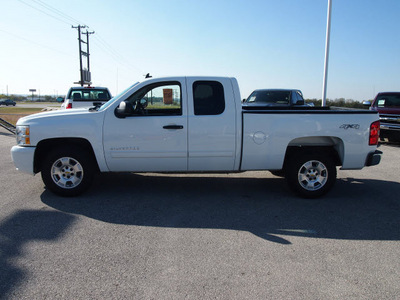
[84, 73]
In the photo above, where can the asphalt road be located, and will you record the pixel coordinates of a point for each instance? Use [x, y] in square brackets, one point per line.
[241, 236]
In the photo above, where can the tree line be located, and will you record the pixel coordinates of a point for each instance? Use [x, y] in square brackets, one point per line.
[42, 98]
[338, 102]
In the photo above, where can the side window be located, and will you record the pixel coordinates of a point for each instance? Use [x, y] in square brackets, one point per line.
[298, 98]
[208, 97]
[161, 99]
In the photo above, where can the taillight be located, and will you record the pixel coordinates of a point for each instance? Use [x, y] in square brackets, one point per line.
[69, 105]
[374, 133]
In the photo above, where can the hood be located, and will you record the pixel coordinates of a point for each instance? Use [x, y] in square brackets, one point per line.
[55, 113]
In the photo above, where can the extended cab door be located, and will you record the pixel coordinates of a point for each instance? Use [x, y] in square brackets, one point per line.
[212, 125]
[154, 136]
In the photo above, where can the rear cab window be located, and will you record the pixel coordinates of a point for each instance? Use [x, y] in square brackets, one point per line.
[89, 94]
[208, 97]
[388, 100]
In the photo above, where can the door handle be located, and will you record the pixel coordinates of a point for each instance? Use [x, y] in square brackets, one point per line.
[173, 127]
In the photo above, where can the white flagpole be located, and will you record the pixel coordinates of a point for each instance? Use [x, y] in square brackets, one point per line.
[328, 35]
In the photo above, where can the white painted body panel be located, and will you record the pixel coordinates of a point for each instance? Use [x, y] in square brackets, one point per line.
[267, 136]
[68, 123]
[23, 158]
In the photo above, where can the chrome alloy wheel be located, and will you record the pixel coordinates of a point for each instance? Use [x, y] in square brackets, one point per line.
[67, 172]
[312, 175]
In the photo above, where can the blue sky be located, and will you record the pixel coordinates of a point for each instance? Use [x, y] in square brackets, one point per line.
[264, 44]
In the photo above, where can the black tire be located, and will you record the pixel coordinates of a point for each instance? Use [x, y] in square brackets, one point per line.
[68, 171]
[311, 175]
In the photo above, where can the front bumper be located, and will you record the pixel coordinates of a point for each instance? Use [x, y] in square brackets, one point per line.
[23, 158]
[373, 158]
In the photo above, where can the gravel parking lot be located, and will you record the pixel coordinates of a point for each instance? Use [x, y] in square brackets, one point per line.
[240, 236]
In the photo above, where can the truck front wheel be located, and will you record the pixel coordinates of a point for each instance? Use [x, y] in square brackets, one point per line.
[67, 171]
[311, 175]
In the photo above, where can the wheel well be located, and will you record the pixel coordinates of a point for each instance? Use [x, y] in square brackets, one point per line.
[45, 146]
[329, 151]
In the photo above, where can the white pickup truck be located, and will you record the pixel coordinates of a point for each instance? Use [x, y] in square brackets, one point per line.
[194, 124]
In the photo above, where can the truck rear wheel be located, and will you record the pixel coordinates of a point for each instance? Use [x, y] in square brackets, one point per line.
[68, 171]
[311, 175]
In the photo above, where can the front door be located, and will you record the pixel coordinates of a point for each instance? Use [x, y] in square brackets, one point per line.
[154, 136]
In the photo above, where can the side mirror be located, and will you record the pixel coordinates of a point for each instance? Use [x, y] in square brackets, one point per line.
[124, 109]
[367, 103]
[300, 102]
[143, 103]
[60, 99]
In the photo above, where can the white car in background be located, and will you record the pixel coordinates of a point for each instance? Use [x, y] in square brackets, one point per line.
[86, 96]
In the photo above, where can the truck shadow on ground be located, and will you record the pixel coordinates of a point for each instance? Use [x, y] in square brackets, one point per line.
[23, 227]
[354, 209]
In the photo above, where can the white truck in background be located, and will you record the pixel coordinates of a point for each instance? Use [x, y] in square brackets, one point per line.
[194, 124]
[86, 96]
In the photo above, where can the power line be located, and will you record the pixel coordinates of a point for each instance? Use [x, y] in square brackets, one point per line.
[103, 45]
[56, 11]
[67, 19]
[42, 11]
[33, 42]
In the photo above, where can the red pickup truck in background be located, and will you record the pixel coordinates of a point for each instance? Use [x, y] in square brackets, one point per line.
[388, 106]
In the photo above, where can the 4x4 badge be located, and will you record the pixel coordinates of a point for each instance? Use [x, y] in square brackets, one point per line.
[350, 126]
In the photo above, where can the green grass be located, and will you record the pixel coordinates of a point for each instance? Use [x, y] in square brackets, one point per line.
[19, 110]
[12, 114]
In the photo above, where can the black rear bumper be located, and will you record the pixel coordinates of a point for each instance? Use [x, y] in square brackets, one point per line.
[373, 158]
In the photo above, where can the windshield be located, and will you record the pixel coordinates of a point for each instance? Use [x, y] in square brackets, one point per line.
[116, 98]
[269, 97]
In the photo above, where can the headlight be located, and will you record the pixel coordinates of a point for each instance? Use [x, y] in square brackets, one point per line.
[23, 135]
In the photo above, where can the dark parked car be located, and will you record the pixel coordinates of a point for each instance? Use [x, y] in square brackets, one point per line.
[388, 106]
[275, 97]
[7, 102]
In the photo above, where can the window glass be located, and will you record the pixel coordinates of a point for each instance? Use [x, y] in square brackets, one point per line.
[89, 94]
[388, 100]
[270, 97]
[298, 98]
[157, 99]
[208, 97]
